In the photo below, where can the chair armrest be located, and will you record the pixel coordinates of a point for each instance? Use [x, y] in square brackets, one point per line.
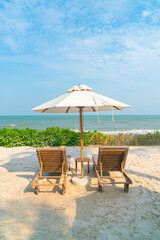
[127, 178]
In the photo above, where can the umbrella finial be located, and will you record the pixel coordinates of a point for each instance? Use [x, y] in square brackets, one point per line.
[80, 87]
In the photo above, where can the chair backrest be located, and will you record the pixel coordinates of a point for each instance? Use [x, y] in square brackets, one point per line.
[52, 159]
[112, 157]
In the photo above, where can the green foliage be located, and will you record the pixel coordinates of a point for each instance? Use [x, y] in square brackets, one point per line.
[56, 136]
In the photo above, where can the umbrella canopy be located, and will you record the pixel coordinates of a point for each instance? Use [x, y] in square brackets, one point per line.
[80, 99]
[80, 96]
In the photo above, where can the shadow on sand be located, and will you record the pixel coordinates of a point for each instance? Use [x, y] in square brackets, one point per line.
[112, 215]
[28, 170]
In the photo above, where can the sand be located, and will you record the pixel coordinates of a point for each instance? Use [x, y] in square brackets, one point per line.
[83, 213]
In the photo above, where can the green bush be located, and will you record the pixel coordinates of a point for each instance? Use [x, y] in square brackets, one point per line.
[56, 136]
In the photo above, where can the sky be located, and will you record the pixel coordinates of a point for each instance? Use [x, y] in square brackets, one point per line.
[47, 46]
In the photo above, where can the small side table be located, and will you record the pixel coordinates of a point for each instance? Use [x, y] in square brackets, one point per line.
[85, 159]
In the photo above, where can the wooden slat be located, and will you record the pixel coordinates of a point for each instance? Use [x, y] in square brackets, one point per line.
[112, 182]
[52, 160]
[107, 167]
[113, 152]
[111, 169]
[112, 159]
[52, 153]
[51, 166]
[52, 157]
[111, 156]
[111, 163]
[48, 184]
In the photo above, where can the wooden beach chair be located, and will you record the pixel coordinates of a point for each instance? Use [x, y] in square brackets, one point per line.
[51, 160]
[111, 159]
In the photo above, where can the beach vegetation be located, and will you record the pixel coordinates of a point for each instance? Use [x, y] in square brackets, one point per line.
[56, 136]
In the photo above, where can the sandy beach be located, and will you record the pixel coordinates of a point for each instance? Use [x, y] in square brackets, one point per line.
[83, 212]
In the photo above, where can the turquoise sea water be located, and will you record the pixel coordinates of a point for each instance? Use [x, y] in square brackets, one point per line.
[123, 123]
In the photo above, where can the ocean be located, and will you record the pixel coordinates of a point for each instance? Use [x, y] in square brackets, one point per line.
[135, 124]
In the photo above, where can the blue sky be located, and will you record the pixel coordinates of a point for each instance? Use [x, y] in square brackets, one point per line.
[46, 47]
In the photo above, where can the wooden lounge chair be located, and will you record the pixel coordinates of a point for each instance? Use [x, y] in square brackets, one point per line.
[51, 160]
[111, 159]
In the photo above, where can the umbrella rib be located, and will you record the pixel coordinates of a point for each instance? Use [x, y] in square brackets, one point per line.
[45, 109]
[116, 107]
[67, 109]
[93, 109]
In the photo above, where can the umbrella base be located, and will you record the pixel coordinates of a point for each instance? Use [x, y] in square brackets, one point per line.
[77, 180]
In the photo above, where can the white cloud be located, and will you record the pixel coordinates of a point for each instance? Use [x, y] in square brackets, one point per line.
[10, 43]
[146, 13]
[82, 40]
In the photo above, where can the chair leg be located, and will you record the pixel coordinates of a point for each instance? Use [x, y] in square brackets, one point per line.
[36, 190]
[100, 188]
[63, 189]
[64, 185]
[126, 187]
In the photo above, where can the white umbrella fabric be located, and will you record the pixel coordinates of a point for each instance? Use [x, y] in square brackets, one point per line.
[80, 99]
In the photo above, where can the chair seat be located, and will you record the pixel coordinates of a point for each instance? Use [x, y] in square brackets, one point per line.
[53, 164]
[109, 166]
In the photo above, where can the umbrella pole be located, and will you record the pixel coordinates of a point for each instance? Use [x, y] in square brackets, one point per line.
[81, 130]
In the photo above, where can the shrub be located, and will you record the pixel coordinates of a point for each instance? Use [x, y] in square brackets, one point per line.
[56, 136]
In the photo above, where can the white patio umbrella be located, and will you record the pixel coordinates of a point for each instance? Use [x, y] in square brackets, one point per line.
[80, 99]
